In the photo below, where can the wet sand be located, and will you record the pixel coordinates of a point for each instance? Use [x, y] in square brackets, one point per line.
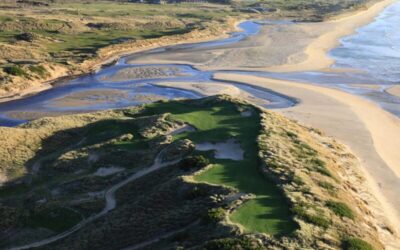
[209, 89]
[371, 133]
[91, 97]
[145, 72]
[395, 91]
[278, 47]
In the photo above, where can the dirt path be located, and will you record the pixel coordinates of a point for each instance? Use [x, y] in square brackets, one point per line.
[111, 203]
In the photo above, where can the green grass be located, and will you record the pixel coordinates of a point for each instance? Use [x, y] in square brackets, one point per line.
[112, 9]
[215, 215]
[340, 209]
[302, 211]
[68, 39]
[15, 71]
[38, 69]
[91, 41]
[356, 244]
[8, 36]
[269, 211]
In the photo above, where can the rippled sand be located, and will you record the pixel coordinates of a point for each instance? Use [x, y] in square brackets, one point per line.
[145, 72]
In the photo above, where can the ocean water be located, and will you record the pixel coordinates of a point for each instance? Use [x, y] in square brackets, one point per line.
[374, 48]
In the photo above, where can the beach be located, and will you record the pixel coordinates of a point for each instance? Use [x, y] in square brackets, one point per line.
[371, 133]
[280, 46]
[395, 91]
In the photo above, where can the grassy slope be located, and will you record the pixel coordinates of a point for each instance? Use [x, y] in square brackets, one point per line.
[268, 212]
[86, 40]
[328, 215]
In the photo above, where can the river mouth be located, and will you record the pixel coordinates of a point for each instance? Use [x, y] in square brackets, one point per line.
[123, 85]
[130, 82]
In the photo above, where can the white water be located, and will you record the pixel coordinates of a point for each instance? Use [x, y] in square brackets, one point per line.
[375, 48]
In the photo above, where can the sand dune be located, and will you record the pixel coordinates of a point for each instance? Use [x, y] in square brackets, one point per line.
[372, 133]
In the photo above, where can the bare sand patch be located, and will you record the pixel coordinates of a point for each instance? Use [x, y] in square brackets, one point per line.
[209, 89]
[103, 171]
[204, 89]
[183, 129]
[395, 90]
[102, 96]
[145, 72]
[91, 97]
[367, 86]
[230, 149]
[372, 133]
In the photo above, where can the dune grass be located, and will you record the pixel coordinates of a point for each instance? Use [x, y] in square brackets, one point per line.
[268, 212]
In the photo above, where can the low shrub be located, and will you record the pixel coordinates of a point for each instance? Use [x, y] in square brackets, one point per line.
[323, 170]
[291, 135]
[356, 244]
[194, 162]
[296, 179]
[214, 215]
[327, 186]
[38, 69]
[340, 209]
[317, 162]
[15, 71]
[319, 166]
[318, 220]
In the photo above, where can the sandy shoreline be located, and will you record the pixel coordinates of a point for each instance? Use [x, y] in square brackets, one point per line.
[316, 52]
[395, 91]
[354, 121]
[281, 47]
[268, 51]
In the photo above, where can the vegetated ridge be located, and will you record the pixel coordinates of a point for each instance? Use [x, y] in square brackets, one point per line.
[292, 188]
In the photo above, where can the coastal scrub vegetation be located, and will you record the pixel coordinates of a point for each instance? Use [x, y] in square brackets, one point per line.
[340, 209]
[356, 244]
[74, 37]
[273, 197]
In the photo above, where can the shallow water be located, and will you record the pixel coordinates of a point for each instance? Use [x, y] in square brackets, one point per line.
[375, 48]
[95, 92]
[372, 61]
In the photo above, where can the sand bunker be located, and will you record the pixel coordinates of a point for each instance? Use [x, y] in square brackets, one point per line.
[223, 150]
[183, 129]
[107, 171]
